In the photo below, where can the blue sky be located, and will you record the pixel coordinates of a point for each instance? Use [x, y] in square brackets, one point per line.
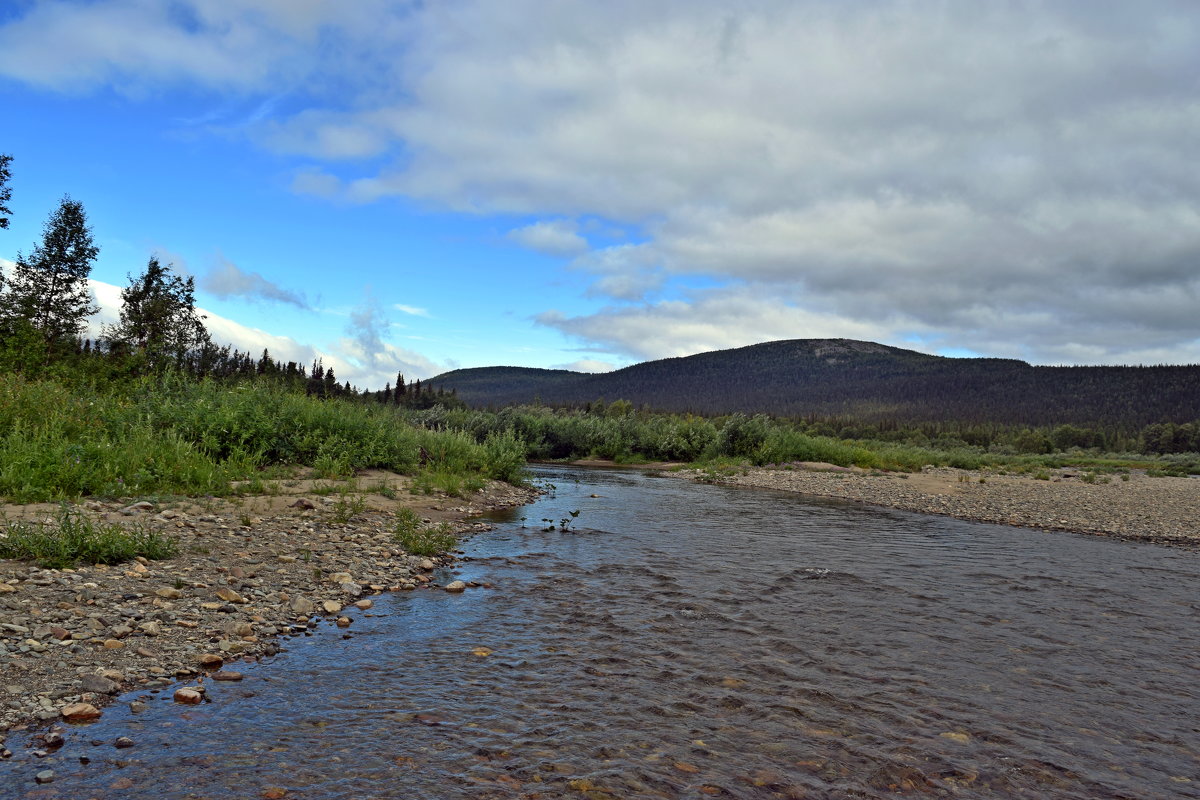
[401, 186]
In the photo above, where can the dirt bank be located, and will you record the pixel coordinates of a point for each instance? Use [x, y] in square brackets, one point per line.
[248, 571]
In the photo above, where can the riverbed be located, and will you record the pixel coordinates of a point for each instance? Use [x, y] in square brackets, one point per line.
[680, 640]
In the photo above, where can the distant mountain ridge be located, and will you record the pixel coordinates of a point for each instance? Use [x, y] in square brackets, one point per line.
[864, 380]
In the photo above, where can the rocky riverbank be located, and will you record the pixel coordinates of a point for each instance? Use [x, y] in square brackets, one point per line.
[248, 571]
[1135, 506]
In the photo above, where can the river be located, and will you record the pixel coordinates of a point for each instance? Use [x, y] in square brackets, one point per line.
[683, 641]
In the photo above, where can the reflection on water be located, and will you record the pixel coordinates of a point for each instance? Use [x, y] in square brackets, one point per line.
[692, 641]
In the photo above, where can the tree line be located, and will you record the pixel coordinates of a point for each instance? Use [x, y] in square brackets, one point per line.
[46, 302]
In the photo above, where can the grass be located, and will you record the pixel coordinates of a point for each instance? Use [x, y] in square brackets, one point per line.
[442, 481]
[347, 508]
[177, 436]
[419, 539]
[74, 539]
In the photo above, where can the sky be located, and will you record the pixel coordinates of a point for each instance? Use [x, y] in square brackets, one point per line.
[407, 186]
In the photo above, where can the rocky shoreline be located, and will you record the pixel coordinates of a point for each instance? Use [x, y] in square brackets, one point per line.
[248, 572]
[1163, 510]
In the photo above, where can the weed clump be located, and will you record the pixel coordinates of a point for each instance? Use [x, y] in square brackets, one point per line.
[420, 539]
[74, 539]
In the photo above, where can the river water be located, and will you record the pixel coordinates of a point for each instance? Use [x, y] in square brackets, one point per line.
[694, 641]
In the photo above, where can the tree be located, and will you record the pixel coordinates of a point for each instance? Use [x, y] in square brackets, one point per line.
[158, 316]
[49, 288]
[5, 191]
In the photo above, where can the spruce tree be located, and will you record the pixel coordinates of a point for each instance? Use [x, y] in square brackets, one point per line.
[5, 193]
[158, 316]
[48, 289]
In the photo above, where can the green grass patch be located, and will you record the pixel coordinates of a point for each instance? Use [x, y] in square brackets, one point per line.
[420, 539]
[75, 539]
[346, 508]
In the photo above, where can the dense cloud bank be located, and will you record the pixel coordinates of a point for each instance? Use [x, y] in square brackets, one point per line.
[1019, 179]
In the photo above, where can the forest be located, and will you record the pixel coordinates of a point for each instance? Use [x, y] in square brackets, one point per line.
[152, 404]
[847, 387]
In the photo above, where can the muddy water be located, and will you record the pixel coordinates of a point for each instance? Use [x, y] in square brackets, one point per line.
[693, 641]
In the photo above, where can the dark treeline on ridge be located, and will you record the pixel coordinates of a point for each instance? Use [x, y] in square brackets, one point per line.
[847, 383]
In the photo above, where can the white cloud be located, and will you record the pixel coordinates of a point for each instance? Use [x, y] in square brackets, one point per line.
[317, 183]
[1005, 177]
[706, 321]
[411, 310]
[227, 279]
[559, 237]
[587, 365]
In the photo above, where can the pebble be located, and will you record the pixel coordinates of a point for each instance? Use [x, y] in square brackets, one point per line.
[1161, 510]
[99, 629]
[455, 586]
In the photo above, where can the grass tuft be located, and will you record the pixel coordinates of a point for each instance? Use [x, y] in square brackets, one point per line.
[74, 539]
[420, 539]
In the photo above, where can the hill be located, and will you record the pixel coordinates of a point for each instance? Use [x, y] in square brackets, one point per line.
[862, 380]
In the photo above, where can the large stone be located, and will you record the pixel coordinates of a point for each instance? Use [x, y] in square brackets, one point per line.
[302, 605]
[331, 606]
[169, 593]
[455, 586]
[230, 596]
[227, 675]
[211, 661]
[99, 685]
[80, 712]
[188, 696]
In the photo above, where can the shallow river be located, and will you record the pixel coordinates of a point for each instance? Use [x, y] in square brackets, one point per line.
[696, 641]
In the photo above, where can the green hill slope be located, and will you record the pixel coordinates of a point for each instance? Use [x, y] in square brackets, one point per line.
[864, 380]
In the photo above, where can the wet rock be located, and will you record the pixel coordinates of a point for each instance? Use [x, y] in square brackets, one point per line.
[137, 706]
[363, 605]
[211, 661]
[455, 586]
[80, 712]
[227, 675]
[45, 776]
[343, 622]
[187, 696]
[123, 742]
[898, 778]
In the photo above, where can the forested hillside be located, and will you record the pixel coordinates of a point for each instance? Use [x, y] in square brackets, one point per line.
[862, 380]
